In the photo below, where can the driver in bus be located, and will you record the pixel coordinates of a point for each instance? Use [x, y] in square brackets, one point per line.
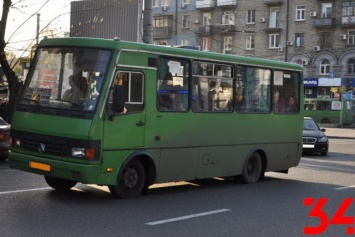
[74, 93]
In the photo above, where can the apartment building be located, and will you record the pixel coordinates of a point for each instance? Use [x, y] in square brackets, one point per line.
[319, 34]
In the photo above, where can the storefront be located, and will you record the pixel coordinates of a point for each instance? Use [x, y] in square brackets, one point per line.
[322, 88]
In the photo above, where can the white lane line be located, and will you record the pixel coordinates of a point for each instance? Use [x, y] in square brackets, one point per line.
[187, 217]
[24, 190]
[346, 187]
[323, 166]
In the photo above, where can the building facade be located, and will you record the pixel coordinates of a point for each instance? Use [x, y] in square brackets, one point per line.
[107, 19]
[319, 34]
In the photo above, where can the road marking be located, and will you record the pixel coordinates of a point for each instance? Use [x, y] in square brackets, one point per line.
[187, 217]
[346, 187]
[24, 190]
[323, 166]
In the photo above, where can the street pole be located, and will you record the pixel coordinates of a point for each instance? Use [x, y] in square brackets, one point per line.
[148, 22]
[37, 33]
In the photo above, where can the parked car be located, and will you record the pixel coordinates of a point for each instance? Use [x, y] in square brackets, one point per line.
[4, 139]
[314, 139]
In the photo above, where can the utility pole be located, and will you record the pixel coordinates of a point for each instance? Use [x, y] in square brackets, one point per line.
[148, 22]
[37, 34]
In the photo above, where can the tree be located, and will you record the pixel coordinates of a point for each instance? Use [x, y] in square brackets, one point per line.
[13, 82]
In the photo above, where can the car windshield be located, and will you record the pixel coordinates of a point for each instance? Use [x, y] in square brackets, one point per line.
[309, 125]
[66, 79]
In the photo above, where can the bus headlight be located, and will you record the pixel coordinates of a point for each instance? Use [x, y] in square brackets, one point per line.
[78, 152]
[81, 152]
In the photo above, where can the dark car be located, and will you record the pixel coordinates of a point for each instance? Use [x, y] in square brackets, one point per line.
[314, 139]
[4, 139]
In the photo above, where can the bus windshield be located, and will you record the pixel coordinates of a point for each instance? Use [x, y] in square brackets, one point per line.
[65, 79]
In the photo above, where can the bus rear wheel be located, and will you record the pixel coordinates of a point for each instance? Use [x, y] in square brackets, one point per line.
[325, 120]
[130, 181]
[60, 184]
[252, 169]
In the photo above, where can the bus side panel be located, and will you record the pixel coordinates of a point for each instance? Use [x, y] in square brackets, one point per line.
[177, 164]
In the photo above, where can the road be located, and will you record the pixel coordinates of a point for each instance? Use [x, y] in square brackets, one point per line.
[213, 208]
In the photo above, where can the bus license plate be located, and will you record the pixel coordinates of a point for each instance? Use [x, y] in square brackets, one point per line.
[308, 146]
[40, 166]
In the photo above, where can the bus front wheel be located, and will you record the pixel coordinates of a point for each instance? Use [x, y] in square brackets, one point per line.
[325, 120]
[130, 181]
[252, 169]
[60, 184]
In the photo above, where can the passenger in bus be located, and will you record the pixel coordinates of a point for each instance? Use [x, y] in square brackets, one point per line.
[278, 105]
[212, 97]
[240, 104]
[292, 105]
[74, 93]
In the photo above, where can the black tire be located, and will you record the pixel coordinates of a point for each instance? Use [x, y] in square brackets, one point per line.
[325, 120]
[130, 181]
[60, 184]
[324, 153]
[252, 169]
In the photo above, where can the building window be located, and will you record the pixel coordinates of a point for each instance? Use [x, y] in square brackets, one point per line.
[300, 13]
[251, 17]
[165, 3]
[206, 44]
[299, 39]
[228, 18]
[206, 19]
[351, 37]
[160, 21]
[351, 66]
[185, 21]
[274, 40]
[327, 9]
[325, 39]
[274, 17]
[227, 43]
[348, 8]
[249, 42]
[155, 3]
[185, 42]
[324, 67]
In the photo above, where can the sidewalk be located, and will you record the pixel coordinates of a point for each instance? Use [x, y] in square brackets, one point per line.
[339, 132]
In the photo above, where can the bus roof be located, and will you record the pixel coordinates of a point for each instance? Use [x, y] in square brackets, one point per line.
[120, 44]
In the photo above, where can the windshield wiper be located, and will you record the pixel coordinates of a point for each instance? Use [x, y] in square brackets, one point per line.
[32, 101]
[79, 105]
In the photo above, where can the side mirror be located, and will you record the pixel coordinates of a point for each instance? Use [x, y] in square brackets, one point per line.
[323, 129]
[119, 98]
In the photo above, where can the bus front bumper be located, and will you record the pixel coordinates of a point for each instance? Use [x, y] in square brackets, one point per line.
[84, 173]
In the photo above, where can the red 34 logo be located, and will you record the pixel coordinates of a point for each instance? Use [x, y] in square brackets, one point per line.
[338, 218]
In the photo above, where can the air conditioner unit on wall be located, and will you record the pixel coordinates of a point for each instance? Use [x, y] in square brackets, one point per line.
[262, 19]
[313, 14]
[304, 62]
[164, 8]
[316, 48]
[342, 36]
[289, 42]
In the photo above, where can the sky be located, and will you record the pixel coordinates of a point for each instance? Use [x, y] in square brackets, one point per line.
[21, 26]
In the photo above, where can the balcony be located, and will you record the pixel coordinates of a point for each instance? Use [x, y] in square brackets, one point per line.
[324, 22]
[162, 32]
[273, 2]
[200, 4]
[348, 21]
[226, 28]
[205, 30]
[221, 3]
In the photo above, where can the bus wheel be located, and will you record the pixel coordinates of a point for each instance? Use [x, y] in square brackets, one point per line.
[325, 121]
[130, 181]
[60, 184]
[252, 169]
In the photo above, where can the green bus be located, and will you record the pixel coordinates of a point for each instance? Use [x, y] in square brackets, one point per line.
[149, 114]
[330, 111]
